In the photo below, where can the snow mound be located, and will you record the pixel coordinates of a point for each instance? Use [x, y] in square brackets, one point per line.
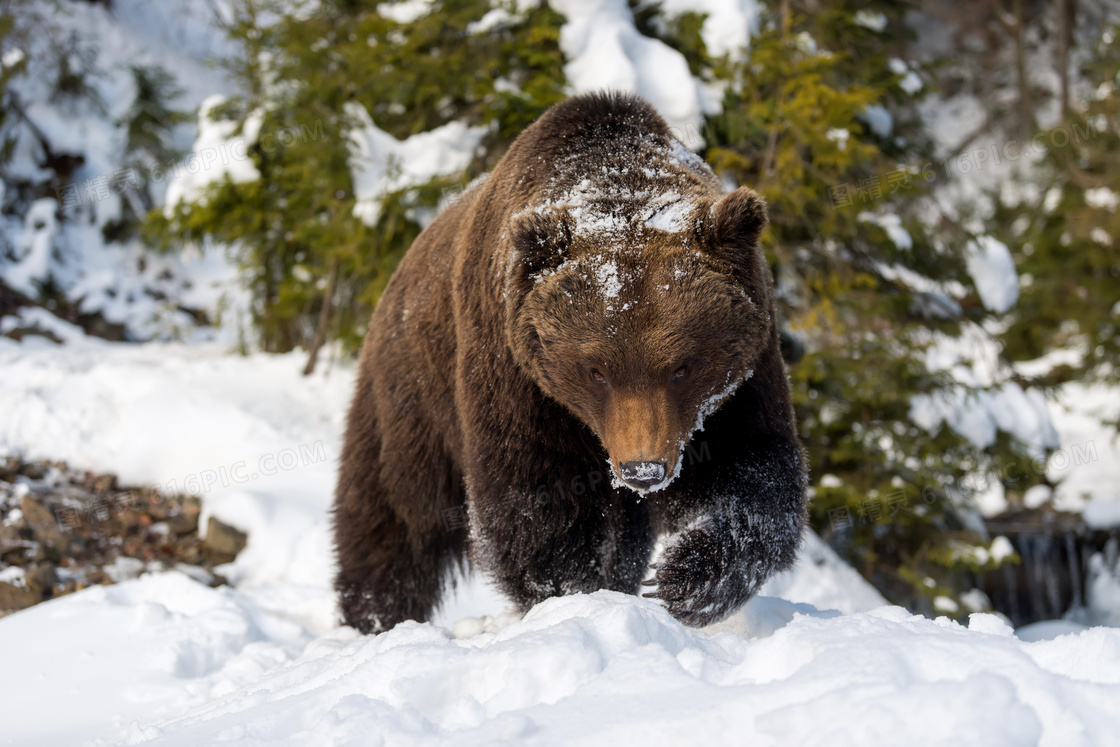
[820, 578]
[221, 151]
[607, 52]
[728, 26]
[607, 667]
[381, 164]
[993, 270]
[145, 649]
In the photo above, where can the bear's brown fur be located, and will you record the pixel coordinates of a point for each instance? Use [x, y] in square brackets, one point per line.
[566, 325]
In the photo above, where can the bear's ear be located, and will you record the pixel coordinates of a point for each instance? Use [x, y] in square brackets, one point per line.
[730, 236]
[540, 240]
[737, 220]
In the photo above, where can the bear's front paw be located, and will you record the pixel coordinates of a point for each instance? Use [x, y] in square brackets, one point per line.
[698, 579]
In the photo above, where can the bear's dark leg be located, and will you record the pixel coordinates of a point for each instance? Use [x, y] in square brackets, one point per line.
[394, 543]
[729, 526]
[545, 540]
[383, 577]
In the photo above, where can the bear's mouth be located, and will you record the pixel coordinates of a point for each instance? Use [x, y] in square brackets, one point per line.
[642, 476]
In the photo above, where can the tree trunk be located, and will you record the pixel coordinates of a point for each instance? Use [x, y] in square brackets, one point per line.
[1064, 11]
[768, 157]
[324, 319]
[1026, 112]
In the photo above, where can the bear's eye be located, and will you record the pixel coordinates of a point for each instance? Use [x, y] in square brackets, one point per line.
[680, 374]
[597, 377]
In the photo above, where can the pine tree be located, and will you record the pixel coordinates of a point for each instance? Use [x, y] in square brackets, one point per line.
[148, 126]
[1067, 235]
[315, 269]
[10, 67]
[61, 69]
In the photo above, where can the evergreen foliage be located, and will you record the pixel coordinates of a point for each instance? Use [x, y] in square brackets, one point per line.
[1066, 234]
[294, 230]
[69, 66]
[8, 70]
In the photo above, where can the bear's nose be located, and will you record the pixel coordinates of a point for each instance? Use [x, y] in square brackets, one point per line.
[642, 474]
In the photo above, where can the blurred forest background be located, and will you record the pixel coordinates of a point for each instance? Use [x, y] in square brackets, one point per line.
[941, 176]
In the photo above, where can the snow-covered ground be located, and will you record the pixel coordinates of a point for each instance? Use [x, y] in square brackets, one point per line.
[164, 659]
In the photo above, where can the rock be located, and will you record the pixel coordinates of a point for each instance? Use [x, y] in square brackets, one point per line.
[223, 542]
[159, 509]
[42, 579]
[189, 553]
[9, 539]
[185, 520]
[101, 483]
[9, 468]
[128, 518]
[92, 530]
[15, 598]
[33, 470]
[42, 522]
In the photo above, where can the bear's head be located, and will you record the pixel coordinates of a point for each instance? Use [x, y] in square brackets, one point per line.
[640, 323]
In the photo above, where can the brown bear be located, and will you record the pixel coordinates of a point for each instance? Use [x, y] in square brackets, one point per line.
[582, 351]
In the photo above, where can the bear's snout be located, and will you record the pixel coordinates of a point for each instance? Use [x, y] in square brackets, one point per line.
[639, 432]
[642, 475]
